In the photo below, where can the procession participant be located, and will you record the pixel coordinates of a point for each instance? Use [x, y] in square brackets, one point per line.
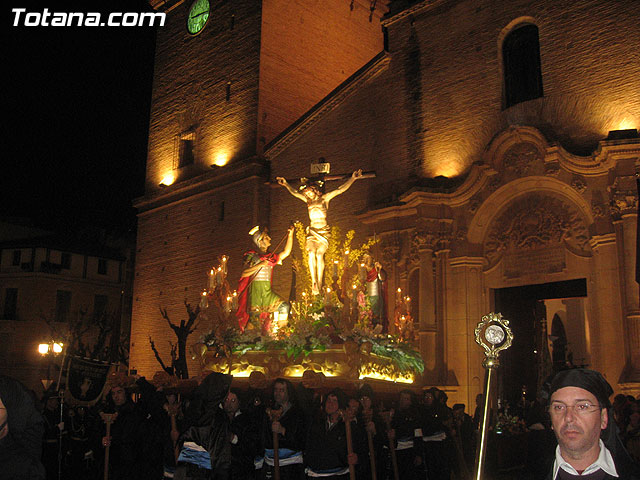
[588, 444]
[21, 430]
[437, 454]
[463, 433]
[255, 297]
[374, 427]
[55, 433]
[405, 425]
[243, 437]
[205, 449]
[326, 453]
[285, 421]
[318, 231]
[135, 448]
[80, 433]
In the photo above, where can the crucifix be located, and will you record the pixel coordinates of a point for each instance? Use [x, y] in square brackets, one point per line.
[312, 192]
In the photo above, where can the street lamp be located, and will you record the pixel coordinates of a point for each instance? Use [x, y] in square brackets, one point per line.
[45, 349]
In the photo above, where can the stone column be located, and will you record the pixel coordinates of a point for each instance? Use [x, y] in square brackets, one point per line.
[466, 304]
[441, 311]
[427, 319]
[631, 290]
[607, 335]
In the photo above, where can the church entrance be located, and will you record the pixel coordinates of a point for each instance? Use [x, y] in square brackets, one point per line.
[550, 326]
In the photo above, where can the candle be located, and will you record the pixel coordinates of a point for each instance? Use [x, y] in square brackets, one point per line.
[407, 304]
[224, 265]
[362, 273]
[212, 279]
[227, 307]
[219, 279]
[327, 296]
[346, 260]
[335, 269]
[204, 301]
[399, 296]
[234, 301]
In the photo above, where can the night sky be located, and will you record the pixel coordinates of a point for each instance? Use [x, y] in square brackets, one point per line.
[76, 105]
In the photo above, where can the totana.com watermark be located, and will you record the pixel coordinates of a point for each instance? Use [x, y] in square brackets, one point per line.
[86, 19]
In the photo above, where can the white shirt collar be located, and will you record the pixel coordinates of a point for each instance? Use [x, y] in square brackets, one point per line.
[604, 462]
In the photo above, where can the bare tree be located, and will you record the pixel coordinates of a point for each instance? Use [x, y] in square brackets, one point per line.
[182, 331]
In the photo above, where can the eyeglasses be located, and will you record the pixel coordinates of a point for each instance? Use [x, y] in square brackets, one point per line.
[580, 408]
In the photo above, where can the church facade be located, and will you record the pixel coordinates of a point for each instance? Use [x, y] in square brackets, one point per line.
[504, 142]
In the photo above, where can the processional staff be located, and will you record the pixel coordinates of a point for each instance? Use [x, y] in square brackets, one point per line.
[494, 335]
[347, 426]
[108, 419]
[274, 416]
[368, 416]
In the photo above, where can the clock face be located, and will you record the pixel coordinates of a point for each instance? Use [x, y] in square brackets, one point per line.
[198, 16]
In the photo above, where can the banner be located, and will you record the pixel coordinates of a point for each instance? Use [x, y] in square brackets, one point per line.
[86, 380]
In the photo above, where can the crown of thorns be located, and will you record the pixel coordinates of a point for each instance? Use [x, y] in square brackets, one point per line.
[307, 183]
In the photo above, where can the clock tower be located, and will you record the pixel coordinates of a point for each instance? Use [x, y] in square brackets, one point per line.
[230, 76]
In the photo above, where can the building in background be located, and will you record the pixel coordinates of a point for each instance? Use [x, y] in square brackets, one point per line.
[504, 140]
[48, 284]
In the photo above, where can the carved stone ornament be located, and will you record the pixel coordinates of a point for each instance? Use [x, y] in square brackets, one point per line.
[624, 202]
[552, 169]
[578, 184]
[534, 222]
[521, 159]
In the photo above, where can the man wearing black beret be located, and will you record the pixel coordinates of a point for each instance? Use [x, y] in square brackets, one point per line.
[588, 444]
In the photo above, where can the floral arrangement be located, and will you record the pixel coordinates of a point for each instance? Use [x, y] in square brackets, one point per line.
[509, 424]
[340, 314]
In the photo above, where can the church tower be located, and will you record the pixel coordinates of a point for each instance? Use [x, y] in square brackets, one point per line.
[230, 76]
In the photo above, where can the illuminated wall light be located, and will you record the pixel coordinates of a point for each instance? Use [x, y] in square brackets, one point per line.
[626, 123]
[221, 159]
[167, 180]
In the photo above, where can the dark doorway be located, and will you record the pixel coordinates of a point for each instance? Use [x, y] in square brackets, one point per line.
[524, 308]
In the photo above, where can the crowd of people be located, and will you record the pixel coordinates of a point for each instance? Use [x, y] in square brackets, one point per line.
[284, 431]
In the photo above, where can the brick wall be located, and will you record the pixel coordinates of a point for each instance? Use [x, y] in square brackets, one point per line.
[190, 89]
[307, 49]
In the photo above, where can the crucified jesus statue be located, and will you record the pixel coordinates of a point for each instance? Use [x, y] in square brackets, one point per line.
[318, 232]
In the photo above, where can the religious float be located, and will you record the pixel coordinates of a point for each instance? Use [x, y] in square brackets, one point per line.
[334, 328]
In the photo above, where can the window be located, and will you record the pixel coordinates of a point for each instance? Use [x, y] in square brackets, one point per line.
[10, 304]
[521, 63]
[17, 257]
[65, 261]
[102, 266]
[63, 305]
[99, 305]
[187, 149]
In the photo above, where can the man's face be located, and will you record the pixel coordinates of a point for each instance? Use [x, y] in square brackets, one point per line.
[576, 433]
[52, 403]
[331, 405]
[353, 407]
[366, 403]
[231, 403]
[428, 399]
[404, 402]
[119, 396]
[280, 394]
